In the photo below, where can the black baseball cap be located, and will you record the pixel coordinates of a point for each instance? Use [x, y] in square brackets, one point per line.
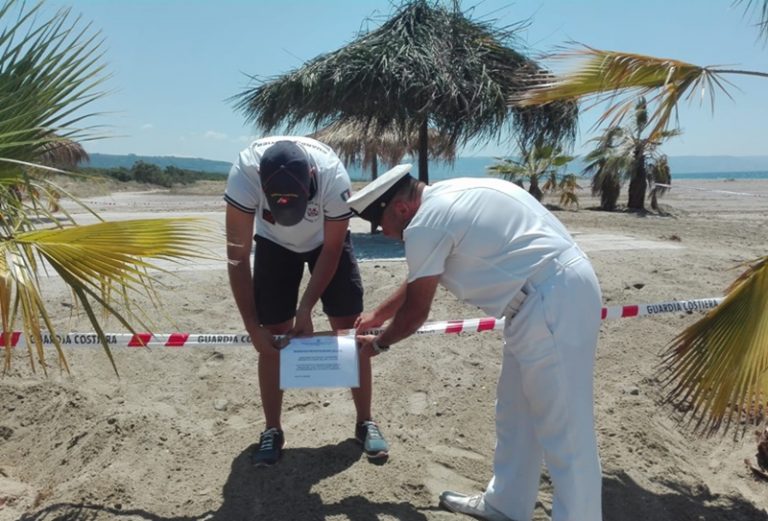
[285, 180]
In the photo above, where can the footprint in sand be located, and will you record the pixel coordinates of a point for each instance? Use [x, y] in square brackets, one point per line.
[417, 402]
[442, 476]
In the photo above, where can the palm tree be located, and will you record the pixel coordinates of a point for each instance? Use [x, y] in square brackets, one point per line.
[604, 167]
[49, 70]
[426, 67]
[539, 162]
[628, 153]
[718, 367]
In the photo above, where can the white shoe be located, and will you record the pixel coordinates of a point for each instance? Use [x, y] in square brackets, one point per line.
[474, 506]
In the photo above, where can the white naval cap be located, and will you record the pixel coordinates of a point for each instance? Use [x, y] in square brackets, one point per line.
[370, 202]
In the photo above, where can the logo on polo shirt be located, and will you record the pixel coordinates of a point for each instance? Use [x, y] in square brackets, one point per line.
[313, 212]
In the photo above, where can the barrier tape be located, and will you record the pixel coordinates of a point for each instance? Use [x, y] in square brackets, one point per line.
[471, 325]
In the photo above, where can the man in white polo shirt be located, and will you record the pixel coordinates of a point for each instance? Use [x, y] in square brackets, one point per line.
[493, 245]
[295, 190]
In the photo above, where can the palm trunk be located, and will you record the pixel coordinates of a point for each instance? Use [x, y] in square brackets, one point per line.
[609, 193]
[637, 184]
[423, 152]
[374, 175]
[374, 167]
[654, 201]
[534, 189]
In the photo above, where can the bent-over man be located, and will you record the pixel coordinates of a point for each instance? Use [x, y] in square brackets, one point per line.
[495, 246]
[295, 190]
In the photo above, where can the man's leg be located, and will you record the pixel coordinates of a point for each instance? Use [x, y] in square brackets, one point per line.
[276, 277]
[367, 431]
[343, 303]
[553, 338]
[269, 380]
[361, 396]
[571, 455]
[511, 493]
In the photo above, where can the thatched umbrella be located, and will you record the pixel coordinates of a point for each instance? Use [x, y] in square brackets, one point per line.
[63, 153]
[358, 143]
[427, 66]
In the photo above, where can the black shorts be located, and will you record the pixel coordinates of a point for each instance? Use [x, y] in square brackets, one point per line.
[277, 273]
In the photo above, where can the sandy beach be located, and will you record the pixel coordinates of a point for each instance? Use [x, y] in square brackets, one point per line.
[170, 438]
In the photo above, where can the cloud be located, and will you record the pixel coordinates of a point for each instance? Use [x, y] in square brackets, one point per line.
[245, 139]
[147, 126]
[216, 136]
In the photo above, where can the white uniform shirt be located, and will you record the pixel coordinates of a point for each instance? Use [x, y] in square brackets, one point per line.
[328, 204]
[484, 237]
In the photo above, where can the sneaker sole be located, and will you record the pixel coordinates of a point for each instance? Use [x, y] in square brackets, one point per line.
[449, 508]
[377, 455]
[456, 511]
[265, 464]
[372, 455]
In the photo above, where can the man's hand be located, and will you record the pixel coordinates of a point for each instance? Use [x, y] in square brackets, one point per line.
[265, 343]
[303, 324]
[367, 321]
[365, 345]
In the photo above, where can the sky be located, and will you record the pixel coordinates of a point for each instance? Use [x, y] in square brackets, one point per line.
[175, 65]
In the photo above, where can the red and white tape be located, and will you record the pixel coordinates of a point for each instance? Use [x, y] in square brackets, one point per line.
[471, 325]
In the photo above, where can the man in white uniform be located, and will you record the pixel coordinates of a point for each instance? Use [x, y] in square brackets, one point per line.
[295, 189]
[493, 245]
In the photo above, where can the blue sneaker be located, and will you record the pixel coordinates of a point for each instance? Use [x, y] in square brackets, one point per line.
[270, 448]
[370, 436]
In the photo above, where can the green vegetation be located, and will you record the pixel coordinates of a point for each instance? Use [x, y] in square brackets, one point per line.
[142, 172]
[542, 162]
[630, 153]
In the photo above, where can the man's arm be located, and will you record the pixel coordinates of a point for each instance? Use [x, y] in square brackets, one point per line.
[239, 228]
[413, 312]
[334, 233]
[383, 312]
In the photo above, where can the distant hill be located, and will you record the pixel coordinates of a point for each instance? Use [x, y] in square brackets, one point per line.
[185, 163]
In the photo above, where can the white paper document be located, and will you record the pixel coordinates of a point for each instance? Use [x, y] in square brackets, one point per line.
[320, 361]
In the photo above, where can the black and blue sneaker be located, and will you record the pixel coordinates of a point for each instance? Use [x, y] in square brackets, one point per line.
[370, 436]
[270, 448]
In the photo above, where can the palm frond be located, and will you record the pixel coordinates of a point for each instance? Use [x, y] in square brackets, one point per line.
[568, 186]
[717, 368]
[49, 70]
[761, 8]
[99, 262]
[661, 176]
[622, 78]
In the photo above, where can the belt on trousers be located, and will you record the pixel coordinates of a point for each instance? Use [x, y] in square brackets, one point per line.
[550, 268]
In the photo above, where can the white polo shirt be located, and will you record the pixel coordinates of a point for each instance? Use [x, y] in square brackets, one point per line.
[484, 237]
[328, 204]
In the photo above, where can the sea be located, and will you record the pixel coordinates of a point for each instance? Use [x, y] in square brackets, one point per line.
[478, 167]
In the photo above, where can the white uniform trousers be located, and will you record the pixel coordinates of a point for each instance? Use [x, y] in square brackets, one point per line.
[544, 405]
